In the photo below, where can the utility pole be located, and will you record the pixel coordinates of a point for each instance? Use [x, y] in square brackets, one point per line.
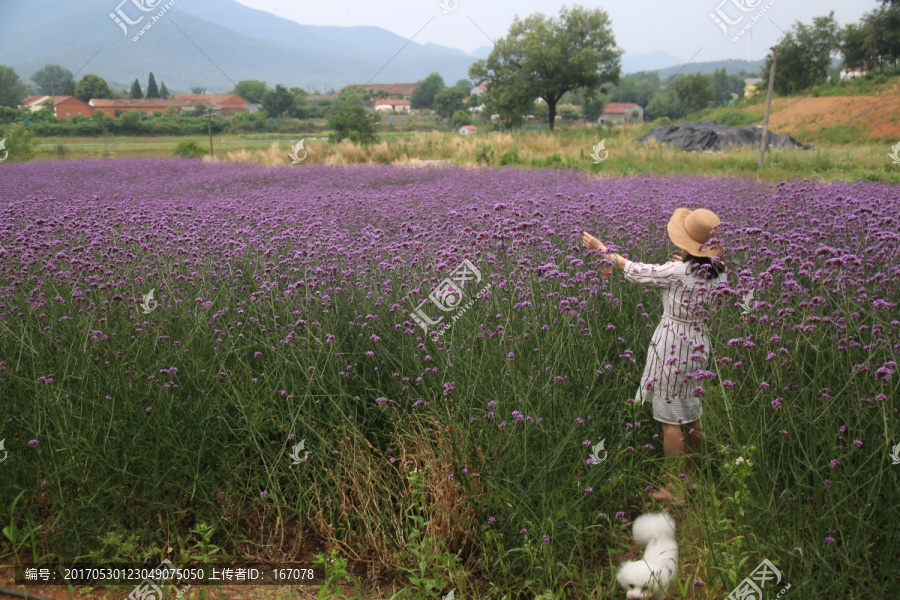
[765, 132]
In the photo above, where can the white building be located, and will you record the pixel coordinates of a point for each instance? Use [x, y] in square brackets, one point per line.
[398, 106]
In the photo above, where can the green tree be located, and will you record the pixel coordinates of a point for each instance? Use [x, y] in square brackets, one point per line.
[152, 90]
[664, 104]
[593, 108]
[136, 93]
[874, 42]
[568, 112]
[694, 92]
[351, 118]
[854, 44]
[10, 115]
[278, 101]
[546, 58]
[21, 143]
[464, 84]
[349, 96]
[804, 55]
[301, 108]
[53, 80]
[251, 90]
[461, 118]
[636, 87]
[721, 87]
[163, 90]
[509, 103]
[198, 89]
[449, 100]
[424, 93]
[92, 86]
[12, 89]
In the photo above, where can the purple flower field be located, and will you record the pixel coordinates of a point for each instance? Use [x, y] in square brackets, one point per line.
[284, 308]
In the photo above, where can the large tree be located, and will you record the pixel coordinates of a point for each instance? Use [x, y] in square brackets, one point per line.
[508, 103]
[278, 101]
[804, 55]
[250, 90]
[301, 108]
[694, 92]
[874, 42]
[664, 104]
[136, 93]
[152, 90]
[54, 80]
[352, 121]
[424, 93]
[12, 89]
[547, 57]
[92, 86]
[163, 90]
[636, 87]
[449, 100]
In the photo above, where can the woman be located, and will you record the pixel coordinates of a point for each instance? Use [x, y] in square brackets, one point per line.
[680, 344]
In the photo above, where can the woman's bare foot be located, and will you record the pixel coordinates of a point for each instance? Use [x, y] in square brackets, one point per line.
[668, 495]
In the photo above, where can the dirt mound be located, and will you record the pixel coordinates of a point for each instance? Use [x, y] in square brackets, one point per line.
[709, 135]
[876, 114]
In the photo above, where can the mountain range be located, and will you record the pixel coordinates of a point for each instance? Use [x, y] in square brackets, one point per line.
[216, 43]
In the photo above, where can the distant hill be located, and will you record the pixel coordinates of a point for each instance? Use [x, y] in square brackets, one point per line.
[213, 43]
[228, 42]
[732, 66]
[634, 63]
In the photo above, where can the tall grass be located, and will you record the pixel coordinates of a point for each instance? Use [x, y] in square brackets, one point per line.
[572, 149]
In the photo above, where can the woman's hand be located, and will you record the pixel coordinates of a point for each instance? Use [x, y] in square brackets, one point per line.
[591, 243]
[675, 257]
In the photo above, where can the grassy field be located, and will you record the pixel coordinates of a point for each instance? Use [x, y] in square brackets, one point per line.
[572, 148]
[568, 148]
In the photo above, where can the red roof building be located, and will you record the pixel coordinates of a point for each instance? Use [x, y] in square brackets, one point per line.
[148, 107]
[621, 112]
[227, 104]
[64, 107]
[224, 104]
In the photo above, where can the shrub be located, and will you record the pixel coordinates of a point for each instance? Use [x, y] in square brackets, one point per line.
[510, 157]
[189, 149]
[21, 143]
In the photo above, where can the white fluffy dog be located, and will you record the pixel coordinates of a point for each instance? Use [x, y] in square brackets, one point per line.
[649, 578]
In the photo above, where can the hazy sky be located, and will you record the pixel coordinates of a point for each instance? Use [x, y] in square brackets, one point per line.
[677, 28]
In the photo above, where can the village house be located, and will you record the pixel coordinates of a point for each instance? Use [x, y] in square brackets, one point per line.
[398, 106]
[64, 107]
[396, 91]
[468, 130]
[220, 104]
[148, 107]
[621, 112]
[751, 86]
[853, 74]
[223, 104]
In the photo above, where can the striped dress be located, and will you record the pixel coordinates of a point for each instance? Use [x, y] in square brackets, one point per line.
[680, 343]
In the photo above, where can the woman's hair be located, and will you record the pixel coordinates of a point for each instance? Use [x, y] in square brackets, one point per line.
[705, 266]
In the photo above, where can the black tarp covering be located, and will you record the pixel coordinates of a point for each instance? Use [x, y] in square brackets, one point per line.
[709, 135]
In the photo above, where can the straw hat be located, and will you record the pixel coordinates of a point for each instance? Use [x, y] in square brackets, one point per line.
[690, 229]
